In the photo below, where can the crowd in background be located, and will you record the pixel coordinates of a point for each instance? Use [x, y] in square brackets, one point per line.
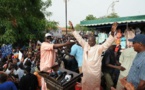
[22, 65]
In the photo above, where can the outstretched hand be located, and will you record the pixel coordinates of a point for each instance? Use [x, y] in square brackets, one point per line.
[127, 85]
[70, 43]
[121, 68]
[113, 28]
[71, 25]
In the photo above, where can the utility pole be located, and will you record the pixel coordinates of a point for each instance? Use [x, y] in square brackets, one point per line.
[66, 15]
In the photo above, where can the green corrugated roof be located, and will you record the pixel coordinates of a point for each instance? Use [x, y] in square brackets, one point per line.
[106, 21]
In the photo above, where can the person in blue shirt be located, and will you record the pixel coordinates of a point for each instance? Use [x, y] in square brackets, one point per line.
[4, 84]
[136, 74]
[77, 52]
[123, 42]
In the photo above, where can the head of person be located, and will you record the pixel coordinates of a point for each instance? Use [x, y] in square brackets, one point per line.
[28, 63]
[14, 60]
[48, 37]
[3, 77]
[112, 47]
[91, 40]
[138, 42]
[27, 70]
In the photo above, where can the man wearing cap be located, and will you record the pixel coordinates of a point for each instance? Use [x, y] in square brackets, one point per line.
[48, 55]
[136, 74]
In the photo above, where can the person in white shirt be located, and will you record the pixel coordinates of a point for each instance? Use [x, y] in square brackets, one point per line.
[92, 58]
[126, 59]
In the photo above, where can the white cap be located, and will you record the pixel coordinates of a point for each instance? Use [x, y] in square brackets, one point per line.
[48, 34]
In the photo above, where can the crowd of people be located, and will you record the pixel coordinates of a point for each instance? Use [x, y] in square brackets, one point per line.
[110, 65]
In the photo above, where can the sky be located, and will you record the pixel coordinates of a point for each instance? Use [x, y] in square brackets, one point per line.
[77, 10]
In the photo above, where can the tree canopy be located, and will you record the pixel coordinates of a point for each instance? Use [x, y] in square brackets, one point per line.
[21, 20]
[90, 17]
[81, 28]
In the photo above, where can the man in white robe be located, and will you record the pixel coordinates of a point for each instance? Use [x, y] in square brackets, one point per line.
[92, 58]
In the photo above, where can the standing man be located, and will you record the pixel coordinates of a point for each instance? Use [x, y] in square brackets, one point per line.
[109, 66]
[136, 74]
[92, 58]
[48, 55]
[28, 81]
[77, 52]
[126, 59]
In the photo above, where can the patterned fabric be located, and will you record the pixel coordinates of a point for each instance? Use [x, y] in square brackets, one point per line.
[137, 71]
[6, 50]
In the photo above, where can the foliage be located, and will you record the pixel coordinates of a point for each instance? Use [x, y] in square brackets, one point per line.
[113, 15]
[90, 17]
[51, 25]
[21, 20]
[80, 28]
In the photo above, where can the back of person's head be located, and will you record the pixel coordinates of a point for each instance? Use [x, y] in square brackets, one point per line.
[3, 77]
[21, 66]
[28, 63]
[112, 47]
[27, 69]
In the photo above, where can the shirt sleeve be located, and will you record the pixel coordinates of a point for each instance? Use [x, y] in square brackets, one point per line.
[107, 43]
[79, 38]
[73, 50]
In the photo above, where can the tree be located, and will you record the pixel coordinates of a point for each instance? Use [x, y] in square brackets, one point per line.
[113, 15]
[80, 28]
[51, 25]
[21, 20]
[90, 17]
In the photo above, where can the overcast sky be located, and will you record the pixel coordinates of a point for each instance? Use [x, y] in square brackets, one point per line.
[77, 10]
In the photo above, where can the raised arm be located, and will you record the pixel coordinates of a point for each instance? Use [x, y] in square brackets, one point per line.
[77, 36]
[113, 28]
[111, 38]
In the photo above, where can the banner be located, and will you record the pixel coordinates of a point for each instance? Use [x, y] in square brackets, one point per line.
[6, 50]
